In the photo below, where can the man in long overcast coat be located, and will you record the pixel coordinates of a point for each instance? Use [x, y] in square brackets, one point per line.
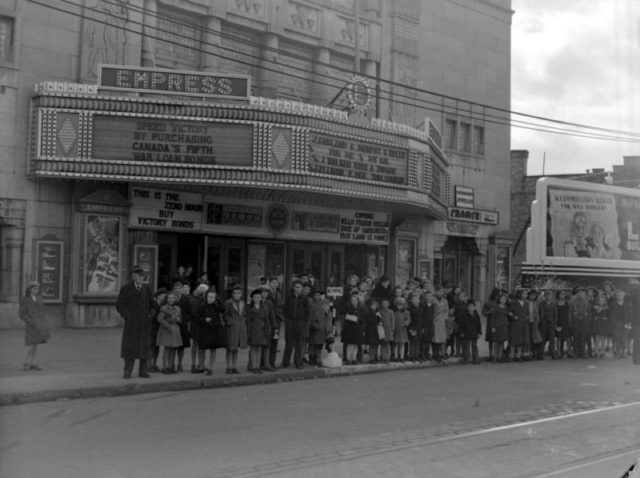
[133, 305]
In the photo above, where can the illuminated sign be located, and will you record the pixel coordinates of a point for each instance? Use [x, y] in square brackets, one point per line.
[168, 141]
[352, 159]
[173, 82]
[477, 216]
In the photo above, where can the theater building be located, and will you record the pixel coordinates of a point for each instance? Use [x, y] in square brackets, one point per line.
[144, 144]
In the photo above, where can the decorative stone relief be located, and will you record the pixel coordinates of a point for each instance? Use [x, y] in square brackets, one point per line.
[304, 17]
[254, 8]
[105, 35]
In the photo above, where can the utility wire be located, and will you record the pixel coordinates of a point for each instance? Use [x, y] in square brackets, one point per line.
[392, 97]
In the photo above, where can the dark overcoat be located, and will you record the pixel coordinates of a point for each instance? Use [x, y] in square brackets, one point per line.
[212, 331]
[235, 318]
[258, 325]
[32, 314]
[134, 307]
[519, 324]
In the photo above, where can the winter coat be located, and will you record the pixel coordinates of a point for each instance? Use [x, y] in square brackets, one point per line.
[487, 311]
[296, 316]
[351, 330]
[500, 324]
[186, 303]
[169, 319]
[235, 320]
[620, 315]
[32, 313]
[371, 319]
[564, 321]
[134, 308]
[320, 323]
[580, 316]
[440, 317]
[388, 322]
[212, 332]
[470, 326]
[533, 307]
[519, 324]
[402, 321]
[601, 322]
[258, 325]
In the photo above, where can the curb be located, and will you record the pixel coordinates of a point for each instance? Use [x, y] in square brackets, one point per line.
[308, 373]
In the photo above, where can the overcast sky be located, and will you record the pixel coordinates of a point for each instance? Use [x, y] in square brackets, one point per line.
[576, 61]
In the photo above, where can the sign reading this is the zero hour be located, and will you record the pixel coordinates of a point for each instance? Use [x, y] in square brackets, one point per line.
[161, 209]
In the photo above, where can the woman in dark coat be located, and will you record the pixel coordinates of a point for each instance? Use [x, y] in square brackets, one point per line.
[499, 323]
[212, 335]
[518, 327]
[257, 326]
[320, 327]
[563, 329]
[351, 330]
[37, 329]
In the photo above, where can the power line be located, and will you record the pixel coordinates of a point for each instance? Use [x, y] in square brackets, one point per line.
[440, 108]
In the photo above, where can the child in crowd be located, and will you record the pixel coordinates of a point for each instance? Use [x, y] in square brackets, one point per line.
[372, 337]
[400, 335]
[563, 329]
[351, 331]
[387, 321]
[257, 319]
[212, 333]
[440, 315]
[499, 327]
[169, 335]
[415, 326]
[469, 331]
[601, 325]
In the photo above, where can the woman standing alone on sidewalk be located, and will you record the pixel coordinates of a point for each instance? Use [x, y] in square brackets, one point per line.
[37, 329]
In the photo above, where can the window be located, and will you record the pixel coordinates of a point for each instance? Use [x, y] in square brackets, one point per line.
[294, 79]
[465, 137]
[6, 39]
[478, 140]
[239, 53]
[178, 45]
[450, 132]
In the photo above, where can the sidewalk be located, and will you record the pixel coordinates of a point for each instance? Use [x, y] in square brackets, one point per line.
[82, 363]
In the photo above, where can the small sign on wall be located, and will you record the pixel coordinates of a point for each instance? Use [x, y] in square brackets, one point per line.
[49, 259]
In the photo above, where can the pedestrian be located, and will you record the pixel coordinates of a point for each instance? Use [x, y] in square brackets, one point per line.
[212, 331]
[274, 299]
[563, 327]
[37, 331]
[181, 290]
[620, 315]
[428, 309]
[601, 325]
[159, 299]
[371, 334]
[197, 304]
[500, 327]
[270, 326]
[320, 326]
[169, 336]
[134, 304]
[257, 325]
[518, 327]
[235, 319]
[536, 347]
[400, 331]
[469, 331]
[351, 330]
[296, 315]
[580, 319]
[548, 323]
[387, 322]
[440, 315]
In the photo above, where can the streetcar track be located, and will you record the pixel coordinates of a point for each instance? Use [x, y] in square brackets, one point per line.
[405, 443]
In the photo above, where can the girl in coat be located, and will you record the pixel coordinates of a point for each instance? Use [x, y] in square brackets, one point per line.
[320, 327]
[257, 323]
[36, 332]
[212, 333]
[601, 325]
[351, 331]
[372, 338]
[235, 319]
[169, 336]
[387, 321]
[518, 327]
[400, 334]
[440, 315]
[159, 299]
[499, 327]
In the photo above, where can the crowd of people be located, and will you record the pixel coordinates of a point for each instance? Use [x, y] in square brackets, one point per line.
[417, 322]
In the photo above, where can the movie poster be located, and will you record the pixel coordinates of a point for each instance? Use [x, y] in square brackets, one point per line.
[594, 225]
[102, 252]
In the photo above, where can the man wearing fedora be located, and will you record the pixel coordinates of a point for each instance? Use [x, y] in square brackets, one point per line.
[134, 304]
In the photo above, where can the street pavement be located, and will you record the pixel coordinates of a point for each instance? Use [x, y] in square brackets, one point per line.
[82, 363]
[568, 418]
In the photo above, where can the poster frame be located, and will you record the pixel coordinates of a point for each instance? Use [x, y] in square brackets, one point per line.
[151, 276]
[119, 255]
[40, 245]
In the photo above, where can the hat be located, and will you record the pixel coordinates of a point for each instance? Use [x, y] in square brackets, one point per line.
[578, 289]
[160, 291]
[257, 291]
[33, 283]
[399, 301]
[236, 287]
[316, 291]
[384, 279]
[137, 270]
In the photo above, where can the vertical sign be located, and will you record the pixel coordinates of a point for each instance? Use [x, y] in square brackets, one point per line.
[49, 256]
[464, 197]
[146, 256]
